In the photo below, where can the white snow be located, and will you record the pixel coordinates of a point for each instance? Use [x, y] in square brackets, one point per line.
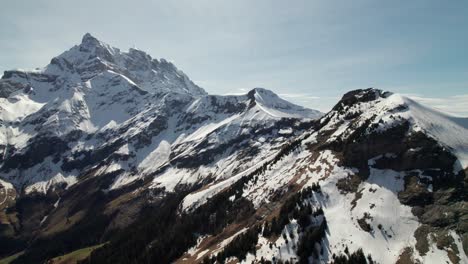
[16, 107]
[202, 253]
[43, 220]
[228, 240]
[285, 131]
[43, 186]
[6, 185]
[280, 248]
[205, 130]
[459, 245]
[157, 157]
[57, 203]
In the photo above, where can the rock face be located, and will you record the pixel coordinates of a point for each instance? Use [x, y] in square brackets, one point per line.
[103, 146]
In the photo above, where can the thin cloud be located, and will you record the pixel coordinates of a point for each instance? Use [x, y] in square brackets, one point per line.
[298, 96]
[455, 105]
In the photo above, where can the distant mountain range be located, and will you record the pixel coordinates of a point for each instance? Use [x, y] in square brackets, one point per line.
[125, 154]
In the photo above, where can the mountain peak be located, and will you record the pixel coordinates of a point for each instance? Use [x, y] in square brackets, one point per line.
[260, 90]
[274, 105]
[255, 92]
[360, 96]
[89, 42]
[92, 57]
[87, 38]
[368, 94]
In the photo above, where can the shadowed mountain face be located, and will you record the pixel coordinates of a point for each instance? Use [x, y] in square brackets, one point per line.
[104, 146]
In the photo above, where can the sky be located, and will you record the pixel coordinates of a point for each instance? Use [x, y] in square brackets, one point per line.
[308, 52]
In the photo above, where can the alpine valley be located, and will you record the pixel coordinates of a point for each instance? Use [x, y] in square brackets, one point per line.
[116, 157]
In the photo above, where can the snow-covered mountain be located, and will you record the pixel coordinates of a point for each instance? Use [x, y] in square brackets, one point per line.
[116, 149]
[97, 104]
